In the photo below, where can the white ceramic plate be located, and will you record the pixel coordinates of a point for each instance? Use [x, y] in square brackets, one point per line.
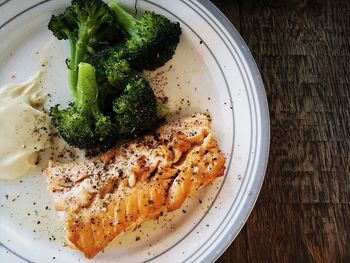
[213, 69]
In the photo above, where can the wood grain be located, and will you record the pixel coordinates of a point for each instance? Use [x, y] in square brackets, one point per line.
[302, 49]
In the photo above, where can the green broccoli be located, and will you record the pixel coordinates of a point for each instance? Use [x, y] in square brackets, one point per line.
[82, 124]
[137, 109]
[88, 25]
[112, 74]
[153, 38]
[111, 68]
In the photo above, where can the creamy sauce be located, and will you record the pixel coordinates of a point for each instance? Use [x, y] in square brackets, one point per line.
[25, 128]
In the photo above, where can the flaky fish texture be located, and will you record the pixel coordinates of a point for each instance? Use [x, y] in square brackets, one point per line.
[105, 196]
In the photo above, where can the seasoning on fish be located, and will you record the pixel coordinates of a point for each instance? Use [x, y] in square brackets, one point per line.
[107, 195]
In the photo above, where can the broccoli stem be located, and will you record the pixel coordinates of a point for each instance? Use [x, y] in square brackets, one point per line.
[72, 75]
[79, 50]
[126, 20]
[87, 89]
[76, 59]
[78, 53]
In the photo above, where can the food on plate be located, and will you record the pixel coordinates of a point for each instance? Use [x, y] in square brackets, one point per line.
[83, 124]
[114, 101]
[25, 128]
[136, 109]
[152, 40]
[89, 26]
[112, 75]
[107, 195]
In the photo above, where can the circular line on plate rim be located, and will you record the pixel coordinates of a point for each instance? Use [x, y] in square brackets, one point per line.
[22, 12]
[4, 2]
[229, 26]
[14, 253]
[249, 162]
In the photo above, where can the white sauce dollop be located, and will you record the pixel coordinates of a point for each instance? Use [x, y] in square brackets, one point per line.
[25, 129]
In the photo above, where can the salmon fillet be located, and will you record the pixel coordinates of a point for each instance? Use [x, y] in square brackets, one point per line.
[105, 196]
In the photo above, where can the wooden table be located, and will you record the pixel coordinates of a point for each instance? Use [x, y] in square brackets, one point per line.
[303, 51]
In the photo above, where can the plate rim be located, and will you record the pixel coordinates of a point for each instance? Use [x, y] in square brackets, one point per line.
[265, 123]
[263, 114]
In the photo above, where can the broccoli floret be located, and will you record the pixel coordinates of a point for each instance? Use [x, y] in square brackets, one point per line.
[88, 25]
[153, 38]
[112, 74]
[111, 68]
[136, 110]
[82, 124]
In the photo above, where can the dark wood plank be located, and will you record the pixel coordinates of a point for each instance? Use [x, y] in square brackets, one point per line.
[298, 233]
[302, 48]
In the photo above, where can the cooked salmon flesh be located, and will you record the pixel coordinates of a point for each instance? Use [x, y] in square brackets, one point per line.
[107, 195]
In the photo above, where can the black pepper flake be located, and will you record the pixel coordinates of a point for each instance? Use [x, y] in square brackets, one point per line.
[184, 211]
[38, 222]
[137, 238]
[201, 42]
